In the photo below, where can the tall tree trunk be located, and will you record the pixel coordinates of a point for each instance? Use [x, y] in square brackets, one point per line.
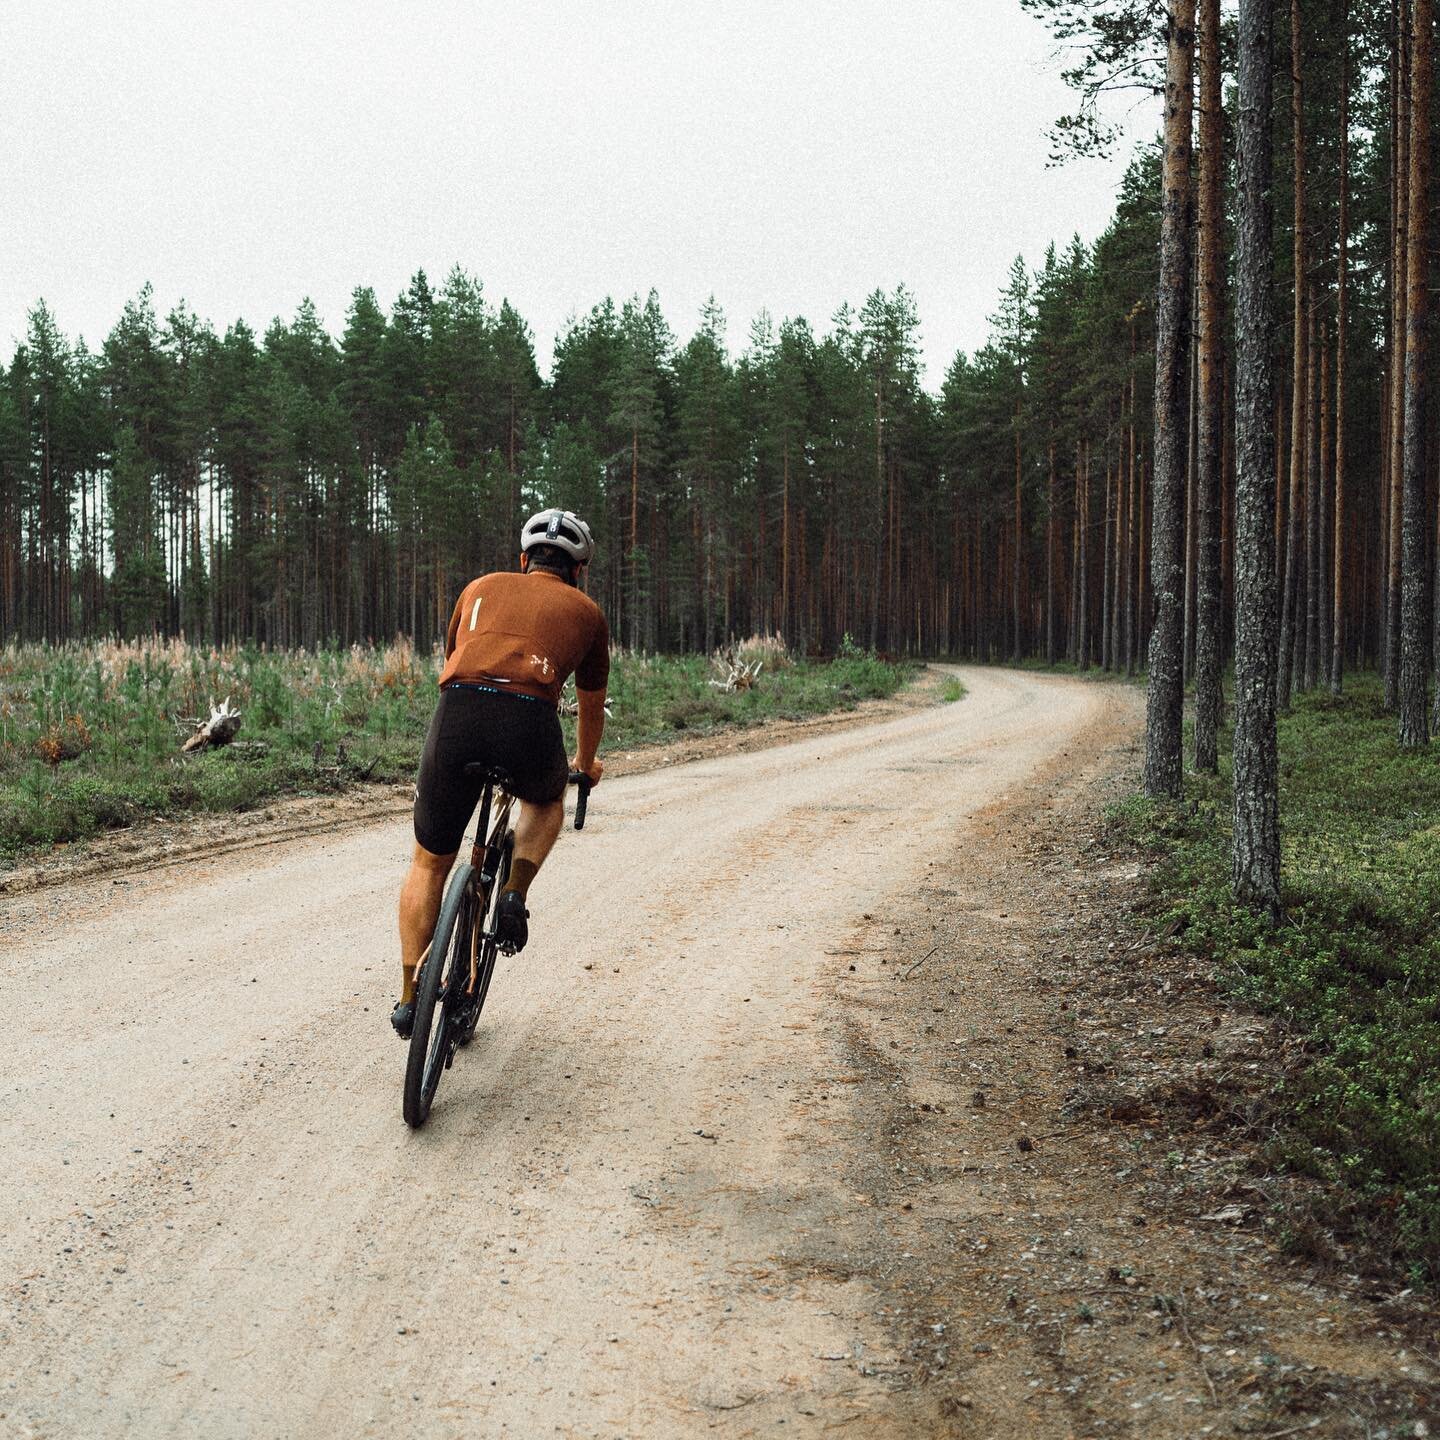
[785, 627]
[1117, 589]
[1227, 504]
[1084, 605]
[1325, 624]
[1337, 563]
[1136, 525]
[1308, 645]
[1399, 296]
[1105, 656]
[1415, 575]
[1015, 647]
[1166, 697]
[1191, 502]
[1211, 366]
[1072, 646]
[879, 535]
[1298, 394]
[1435, 624]
[1050, 532]
[1255, 859]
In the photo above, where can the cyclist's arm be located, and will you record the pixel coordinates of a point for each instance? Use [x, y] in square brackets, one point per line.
[590, 728]
[454, 628]
[592, 678]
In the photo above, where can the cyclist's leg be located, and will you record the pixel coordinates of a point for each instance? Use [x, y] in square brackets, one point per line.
[539, 770]
[420, 898]
[536, 831]
[444, 800]
[540, 789]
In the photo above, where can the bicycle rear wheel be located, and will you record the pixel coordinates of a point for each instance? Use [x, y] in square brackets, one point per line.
[485, 960]
[442, 981]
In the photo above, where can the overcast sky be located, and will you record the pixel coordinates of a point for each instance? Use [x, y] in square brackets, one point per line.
[780, 155]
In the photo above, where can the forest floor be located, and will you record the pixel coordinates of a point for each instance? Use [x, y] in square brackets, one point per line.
[840, 1091]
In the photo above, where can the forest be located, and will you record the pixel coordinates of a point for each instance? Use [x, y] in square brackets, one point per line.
[299, 488]
[294, 489]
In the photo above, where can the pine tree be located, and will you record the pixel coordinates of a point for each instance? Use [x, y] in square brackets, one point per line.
[1255, 865]
[140, 580]
[1415, 637]
[1163, 774]
[1014, 323]
[1209, 643]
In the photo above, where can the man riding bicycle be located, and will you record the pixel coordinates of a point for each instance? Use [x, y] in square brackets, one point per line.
[513, 641]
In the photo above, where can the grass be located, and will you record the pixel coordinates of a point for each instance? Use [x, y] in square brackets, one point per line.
[1354, 969]
[90, 734]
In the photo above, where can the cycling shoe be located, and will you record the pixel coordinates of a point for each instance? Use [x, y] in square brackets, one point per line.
[402, 1017]
[511, 931]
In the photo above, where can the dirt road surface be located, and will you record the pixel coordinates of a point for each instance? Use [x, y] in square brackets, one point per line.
[666, 1193]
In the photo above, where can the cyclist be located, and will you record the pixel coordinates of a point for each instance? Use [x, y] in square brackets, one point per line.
[514, 639]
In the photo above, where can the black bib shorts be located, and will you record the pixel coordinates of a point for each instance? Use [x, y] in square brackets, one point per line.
[474, 724]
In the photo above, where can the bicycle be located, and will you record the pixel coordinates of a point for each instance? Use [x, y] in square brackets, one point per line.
[457, 966]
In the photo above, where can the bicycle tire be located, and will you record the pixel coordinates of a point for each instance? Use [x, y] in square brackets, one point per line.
[485, 967]
[429, 1050]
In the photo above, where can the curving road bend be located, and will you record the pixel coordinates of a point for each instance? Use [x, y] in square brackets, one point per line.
[630, 1211]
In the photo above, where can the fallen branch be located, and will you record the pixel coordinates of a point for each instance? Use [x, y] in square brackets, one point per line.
[919, 962]
[570, 703]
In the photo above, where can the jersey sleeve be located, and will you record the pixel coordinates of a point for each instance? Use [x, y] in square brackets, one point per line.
[454, 627]
[593, 672]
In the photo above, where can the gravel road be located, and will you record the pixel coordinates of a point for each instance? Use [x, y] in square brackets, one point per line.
[217, 1224]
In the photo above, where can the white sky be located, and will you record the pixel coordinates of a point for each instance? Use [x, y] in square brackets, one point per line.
[787, 154]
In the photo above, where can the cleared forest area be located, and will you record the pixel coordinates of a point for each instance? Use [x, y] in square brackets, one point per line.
[90, 735]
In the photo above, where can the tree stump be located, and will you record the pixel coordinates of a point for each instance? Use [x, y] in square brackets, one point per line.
[218, 730]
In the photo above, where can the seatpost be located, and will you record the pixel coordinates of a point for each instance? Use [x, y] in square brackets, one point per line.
[484, 825]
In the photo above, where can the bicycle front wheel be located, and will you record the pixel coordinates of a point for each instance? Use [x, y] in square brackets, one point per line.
[442, 980]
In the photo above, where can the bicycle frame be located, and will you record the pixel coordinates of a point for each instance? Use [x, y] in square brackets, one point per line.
[485, 866]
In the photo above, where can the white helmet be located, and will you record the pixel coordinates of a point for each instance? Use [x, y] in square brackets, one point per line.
[561, 528]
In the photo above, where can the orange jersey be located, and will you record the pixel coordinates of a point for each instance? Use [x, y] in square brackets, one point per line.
[527, 634]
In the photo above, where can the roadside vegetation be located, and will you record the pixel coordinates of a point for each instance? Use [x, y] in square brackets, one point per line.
[90, 734]
[1353, 968]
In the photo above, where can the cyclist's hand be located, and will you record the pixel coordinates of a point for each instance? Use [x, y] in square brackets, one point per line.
[596, 770]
